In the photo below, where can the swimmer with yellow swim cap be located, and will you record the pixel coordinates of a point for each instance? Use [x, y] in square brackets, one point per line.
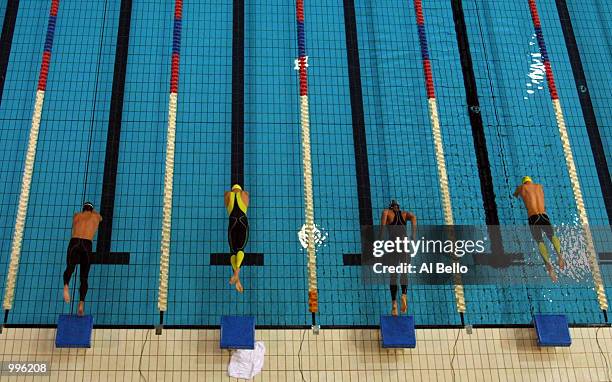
[236, 204]
[539, 222]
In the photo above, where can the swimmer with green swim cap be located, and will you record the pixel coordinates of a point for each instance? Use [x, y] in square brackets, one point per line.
[539, 222]
[236, 204]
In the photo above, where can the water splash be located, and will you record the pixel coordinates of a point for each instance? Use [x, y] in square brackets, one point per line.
[574, 251]
[547, 295]
[320, 236]
[537, 71]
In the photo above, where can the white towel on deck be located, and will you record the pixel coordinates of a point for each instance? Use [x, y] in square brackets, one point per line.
[246, 364]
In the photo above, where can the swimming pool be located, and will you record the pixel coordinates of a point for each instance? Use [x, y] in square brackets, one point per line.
[518, 120]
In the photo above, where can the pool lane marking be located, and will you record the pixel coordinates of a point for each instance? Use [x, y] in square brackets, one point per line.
[478, 134]
[250, 259]
[237, 164]
[362, 171]
[113, 142]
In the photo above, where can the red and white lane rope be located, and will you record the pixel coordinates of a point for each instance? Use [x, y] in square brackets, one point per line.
[26, 181]
[164, 261]
[438, 144]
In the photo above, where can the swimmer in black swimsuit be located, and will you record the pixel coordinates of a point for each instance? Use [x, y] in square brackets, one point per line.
[237, 203]
[84, 226]
[396, 217]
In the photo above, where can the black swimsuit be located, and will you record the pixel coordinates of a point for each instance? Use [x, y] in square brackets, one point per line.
[78, 253]
[540, 223]
[238, 228]
[398, 220]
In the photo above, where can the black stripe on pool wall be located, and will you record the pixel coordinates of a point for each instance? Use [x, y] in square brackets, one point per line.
[478, 133]
[111, 160]
[587, 106]
[6, 40]
[237, 174]
[359, 132]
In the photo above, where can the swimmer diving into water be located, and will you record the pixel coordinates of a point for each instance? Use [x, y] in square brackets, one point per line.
[539, 222]
[84, 227]
[396, 217]
[236, 204]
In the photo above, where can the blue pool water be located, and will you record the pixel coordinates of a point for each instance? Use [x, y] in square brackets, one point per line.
[521, 132]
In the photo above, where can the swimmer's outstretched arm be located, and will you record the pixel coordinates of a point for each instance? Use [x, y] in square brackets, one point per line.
[516, 192]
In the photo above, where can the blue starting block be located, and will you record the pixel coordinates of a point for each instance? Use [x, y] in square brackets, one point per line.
[73, 331]
[237, 332]
[397, 332]
[552, 330]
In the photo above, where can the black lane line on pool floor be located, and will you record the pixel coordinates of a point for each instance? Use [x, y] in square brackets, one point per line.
[6, 40]
[478, 134]
[362, 171]
[359, 131]
[586, 104]
[250, 259]
[113, 140]
[237, 171]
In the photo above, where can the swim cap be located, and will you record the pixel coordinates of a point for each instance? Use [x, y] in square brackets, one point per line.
[526, 179]
[237, 186]
[88, 206]
[393, 203]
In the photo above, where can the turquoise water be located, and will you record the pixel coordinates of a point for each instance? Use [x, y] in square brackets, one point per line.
[520, 128]
[593, 27]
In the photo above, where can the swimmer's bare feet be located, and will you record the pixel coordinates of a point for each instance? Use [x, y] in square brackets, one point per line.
[561, 262]
[551, 272]
[394, 308]
[66, 294]
[239, 286]
[404, 303]
[235, 277]
[81, 310]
